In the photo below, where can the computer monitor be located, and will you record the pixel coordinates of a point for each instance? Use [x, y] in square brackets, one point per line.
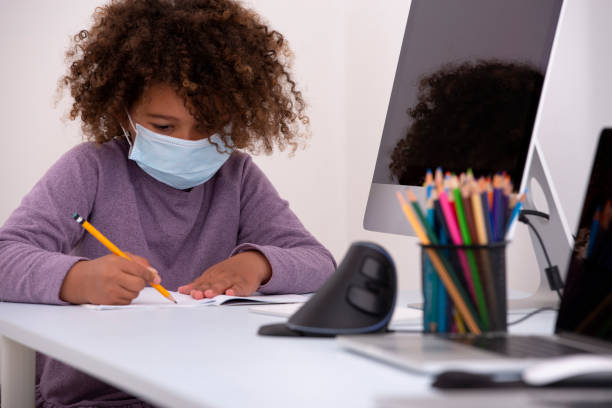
[469, 85]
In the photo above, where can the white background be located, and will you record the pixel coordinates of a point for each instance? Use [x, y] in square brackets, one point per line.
[346, 54]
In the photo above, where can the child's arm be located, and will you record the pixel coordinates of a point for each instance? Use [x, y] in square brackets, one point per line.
[37, 239]
[298, 262]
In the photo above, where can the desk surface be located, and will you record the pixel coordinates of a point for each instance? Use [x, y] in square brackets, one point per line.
[212, 356]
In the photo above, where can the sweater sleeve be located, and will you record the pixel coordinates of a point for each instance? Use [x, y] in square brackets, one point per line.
[300, 264]
[38, 237]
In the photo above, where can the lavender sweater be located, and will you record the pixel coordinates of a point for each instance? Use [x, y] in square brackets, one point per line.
[181, 233]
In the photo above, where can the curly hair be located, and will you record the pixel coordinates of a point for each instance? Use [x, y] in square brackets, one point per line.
[226, 64]
[472, 115]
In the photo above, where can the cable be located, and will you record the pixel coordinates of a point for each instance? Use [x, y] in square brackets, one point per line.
[552, 272]
[530, 314]
[536, 213]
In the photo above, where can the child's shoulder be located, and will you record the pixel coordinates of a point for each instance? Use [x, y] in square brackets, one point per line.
[239, 165]
[91, 154]
[112, 150]
[89, 158]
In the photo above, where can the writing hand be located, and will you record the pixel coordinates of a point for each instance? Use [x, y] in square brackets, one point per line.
[108, 280]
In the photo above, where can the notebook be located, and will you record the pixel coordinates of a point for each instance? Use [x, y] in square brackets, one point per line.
[149, 298]
[584, 320]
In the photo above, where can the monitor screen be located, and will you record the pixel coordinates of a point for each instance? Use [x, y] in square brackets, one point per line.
[465, 95]
[586, 308]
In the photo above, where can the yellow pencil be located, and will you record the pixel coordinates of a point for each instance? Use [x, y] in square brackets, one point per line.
[113, 248]
[439, 266]
[458, 322]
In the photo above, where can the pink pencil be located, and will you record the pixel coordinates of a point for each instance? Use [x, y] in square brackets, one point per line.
[455, 235]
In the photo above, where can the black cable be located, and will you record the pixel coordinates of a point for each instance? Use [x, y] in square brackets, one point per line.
[536, 213]
[530, 314]
[552, 272]
[525, 220]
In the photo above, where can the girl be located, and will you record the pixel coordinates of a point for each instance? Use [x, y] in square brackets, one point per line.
[169, 93]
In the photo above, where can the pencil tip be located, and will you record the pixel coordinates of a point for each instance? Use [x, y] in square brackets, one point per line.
[410, 195]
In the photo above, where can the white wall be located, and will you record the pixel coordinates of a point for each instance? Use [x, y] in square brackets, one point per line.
[33, 38]
[34, 35]
[314, 180]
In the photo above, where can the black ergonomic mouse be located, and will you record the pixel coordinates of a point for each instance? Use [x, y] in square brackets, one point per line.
[358, 298]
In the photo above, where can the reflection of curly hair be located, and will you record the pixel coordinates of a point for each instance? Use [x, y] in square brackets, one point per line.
[472, 115]
[220, 57]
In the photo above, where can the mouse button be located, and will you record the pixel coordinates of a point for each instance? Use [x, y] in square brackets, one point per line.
[373, 269]
[366, 301]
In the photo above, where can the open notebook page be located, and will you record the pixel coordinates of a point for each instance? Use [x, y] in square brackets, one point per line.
[150, 298]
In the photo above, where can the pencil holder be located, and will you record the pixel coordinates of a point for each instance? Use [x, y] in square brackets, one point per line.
[464, 288]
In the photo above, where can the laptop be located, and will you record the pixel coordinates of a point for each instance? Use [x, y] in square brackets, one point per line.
[584, 320]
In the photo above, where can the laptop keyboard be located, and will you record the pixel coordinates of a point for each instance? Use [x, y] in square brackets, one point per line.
[518, 346]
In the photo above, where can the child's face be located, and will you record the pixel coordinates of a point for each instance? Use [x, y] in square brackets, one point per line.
[161, 110]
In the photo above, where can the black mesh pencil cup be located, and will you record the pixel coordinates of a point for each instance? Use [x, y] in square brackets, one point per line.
[464, 287]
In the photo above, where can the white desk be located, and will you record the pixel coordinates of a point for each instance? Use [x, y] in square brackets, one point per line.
[204, 357]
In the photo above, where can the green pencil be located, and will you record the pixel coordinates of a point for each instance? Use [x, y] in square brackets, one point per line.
[467, 240]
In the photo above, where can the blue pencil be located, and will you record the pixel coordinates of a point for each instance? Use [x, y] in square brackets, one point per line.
[498, 211]
[514, 215]
[434, 280]
[443, 314]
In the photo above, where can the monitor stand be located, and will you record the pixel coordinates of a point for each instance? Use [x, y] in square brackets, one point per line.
[555, 232]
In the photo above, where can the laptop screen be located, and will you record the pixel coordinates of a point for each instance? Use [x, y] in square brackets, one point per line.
[586, 308]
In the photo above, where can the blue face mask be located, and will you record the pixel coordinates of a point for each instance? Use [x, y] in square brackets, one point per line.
[179, 163]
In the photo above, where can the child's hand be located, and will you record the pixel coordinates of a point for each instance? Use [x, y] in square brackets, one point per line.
[108, 280]
[239, 275]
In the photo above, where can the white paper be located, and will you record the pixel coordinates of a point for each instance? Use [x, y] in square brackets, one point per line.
[152, 299]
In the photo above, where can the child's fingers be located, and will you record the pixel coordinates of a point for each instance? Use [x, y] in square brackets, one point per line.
[149, 274]
[196, 294]
[212, 289]
[237, 290]
[138, 259]
[131, 283]
[186, 289]
[156, 279]
[118, 296]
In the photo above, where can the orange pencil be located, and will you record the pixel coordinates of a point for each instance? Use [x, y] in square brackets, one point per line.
[113, 248]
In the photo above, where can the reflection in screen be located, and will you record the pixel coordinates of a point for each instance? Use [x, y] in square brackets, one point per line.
[587, 299]
[474, 115]
[466, 88]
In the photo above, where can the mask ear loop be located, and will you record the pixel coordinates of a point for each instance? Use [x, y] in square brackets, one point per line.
[125, 132]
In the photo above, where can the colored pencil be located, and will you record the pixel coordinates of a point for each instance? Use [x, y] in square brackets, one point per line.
[481, 239]
[432, 276]
[455, 236]
[461, 301]
[467, 240]
[514, 214]
[498, 209]
[458, 322]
